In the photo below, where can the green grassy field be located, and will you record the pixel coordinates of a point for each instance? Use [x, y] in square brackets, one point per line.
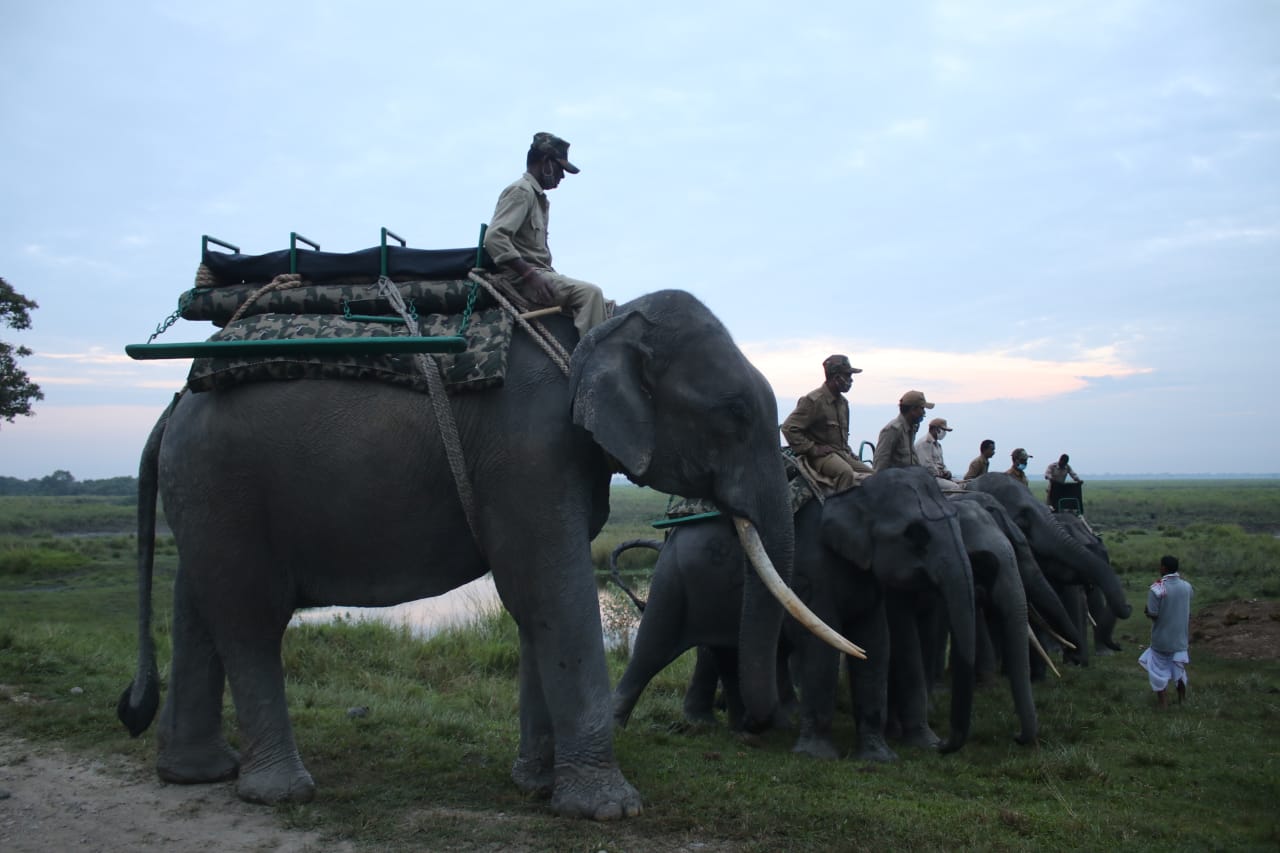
[428, 767]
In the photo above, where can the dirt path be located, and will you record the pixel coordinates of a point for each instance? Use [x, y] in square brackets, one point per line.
[58, 801]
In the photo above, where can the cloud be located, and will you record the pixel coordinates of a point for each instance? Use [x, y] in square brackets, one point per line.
[41, 254]
[794, 368]
[1201, 234]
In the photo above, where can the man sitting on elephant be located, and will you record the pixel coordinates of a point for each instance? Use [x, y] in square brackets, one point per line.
[981, 463]
[929, 449]
[895, 448]
[818, 429]
[1018, 470]
[516, 239]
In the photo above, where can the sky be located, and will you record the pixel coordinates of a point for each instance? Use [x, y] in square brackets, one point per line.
[1059, 220]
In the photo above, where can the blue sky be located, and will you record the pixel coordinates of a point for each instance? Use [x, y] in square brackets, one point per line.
[1060, 220]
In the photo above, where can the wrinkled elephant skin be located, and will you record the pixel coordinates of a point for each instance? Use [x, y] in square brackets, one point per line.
[310, 493]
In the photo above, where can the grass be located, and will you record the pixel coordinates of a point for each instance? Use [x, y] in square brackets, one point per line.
[427, 767]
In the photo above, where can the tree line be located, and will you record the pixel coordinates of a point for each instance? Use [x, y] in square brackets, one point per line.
[61, 483]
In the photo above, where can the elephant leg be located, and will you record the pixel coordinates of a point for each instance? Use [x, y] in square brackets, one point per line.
[271, 771]
[192, 748]
[535, 764]
[564, 681]
[819, 677]
[1073, 599]
[726, 662]
[700, 696]
[909, 692]
[659, 641]
[868, 688]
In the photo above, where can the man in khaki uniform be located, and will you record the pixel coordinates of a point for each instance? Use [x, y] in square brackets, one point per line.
[895, 448]
[929, 451]
[1018, 470]
[981, 463]
[516, 239]
[818, 430]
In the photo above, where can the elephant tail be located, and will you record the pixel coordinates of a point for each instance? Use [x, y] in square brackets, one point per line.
[617, 576]
[139, 701]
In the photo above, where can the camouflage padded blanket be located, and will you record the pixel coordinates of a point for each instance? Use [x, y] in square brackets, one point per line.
[482, 365]
[219, 304]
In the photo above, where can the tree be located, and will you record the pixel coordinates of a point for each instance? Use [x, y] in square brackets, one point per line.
[17, 391]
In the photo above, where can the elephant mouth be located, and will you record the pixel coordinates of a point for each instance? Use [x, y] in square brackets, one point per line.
[754, 549]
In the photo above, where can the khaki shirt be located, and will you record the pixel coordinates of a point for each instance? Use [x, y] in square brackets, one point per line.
[519, 225]
[929, 451]
[978, 467]
[1058, 474]
[820, 417]
[1020, 476]
[895, 446]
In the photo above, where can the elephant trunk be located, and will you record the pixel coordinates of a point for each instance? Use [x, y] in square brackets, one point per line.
[761, 619]
[956, 585]
[1096, 570]
[1009, 598]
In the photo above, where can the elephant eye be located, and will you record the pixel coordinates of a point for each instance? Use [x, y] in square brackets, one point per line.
[917, 537]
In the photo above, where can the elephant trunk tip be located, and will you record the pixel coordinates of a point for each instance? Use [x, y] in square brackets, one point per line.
[1125, 610]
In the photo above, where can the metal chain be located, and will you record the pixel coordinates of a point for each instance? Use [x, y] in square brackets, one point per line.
[183, 301]
[466, 313]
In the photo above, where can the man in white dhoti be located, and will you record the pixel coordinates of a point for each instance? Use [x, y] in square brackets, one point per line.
[1169, 609]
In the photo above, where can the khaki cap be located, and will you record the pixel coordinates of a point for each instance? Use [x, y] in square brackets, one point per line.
[839, 364]
[915, 398]
[1020, 455]
[940, 423]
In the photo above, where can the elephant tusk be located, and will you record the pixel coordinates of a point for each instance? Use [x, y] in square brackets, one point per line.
[1092, 621]
[755, 552]
[1040, 649]
[1044, 623]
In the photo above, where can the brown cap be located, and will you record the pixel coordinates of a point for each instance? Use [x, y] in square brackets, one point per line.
[549, 143]
[1020, 455]
[940, 423]
[839, 364]
[915, 398]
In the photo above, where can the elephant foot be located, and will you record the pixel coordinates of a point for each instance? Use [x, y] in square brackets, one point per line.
[198, 764]
[816, 747]
[874, 749]
[702, 717]
[534, 776]
[1025, 738]
[276, 782]
[921, 736]
[1103, 651]
[598, 793]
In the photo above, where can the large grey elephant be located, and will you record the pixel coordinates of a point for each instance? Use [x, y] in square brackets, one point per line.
[893, 534]
[309, 493]
[1070, 566]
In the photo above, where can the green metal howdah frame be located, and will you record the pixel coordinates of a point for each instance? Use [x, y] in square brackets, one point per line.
[314, 346]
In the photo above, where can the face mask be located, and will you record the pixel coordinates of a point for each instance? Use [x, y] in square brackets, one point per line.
[1022, 466]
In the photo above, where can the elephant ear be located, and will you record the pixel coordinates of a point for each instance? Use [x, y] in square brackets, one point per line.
[846, 528]
[610, 381]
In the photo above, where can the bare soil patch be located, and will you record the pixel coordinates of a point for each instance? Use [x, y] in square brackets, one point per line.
[1247, 629]
[60, 801]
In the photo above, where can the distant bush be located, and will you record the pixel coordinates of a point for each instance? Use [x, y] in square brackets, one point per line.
[63, 483]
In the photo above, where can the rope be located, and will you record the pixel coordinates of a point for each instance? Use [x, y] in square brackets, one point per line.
[284, 281]
[440, 405]
[205, 277]
[541, 336]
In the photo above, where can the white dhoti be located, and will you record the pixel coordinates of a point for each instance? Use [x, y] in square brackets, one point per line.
[1163, 669]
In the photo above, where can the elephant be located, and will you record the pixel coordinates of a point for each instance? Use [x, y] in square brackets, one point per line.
[287, 495]
[1070, 566]
[892, 534]
[1104, 619]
